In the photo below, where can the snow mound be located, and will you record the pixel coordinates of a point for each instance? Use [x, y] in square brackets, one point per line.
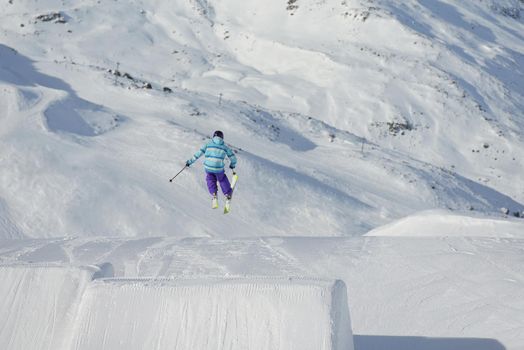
[436, 223]
[217, 314]
[38, 303]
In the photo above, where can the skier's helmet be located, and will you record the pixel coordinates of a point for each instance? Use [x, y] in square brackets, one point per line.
[219, 134]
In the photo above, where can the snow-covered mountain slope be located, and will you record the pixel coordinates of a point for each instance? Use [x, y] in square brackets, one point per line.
[391, 118]
[345, 115]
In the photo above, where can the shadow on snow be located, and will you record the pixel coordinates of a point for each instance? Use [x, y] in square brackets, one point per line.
[380, 342]
[64, 115]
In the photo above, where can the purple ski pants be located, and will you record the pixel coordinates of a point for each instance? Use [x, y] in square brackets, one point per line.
[212, 178]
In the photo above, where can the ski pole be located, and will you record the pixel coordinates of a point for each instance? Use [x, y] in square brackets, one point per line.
[184, 168]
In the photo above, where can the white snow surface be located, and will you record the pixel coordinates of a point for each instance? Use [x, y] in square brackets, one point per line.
[53, 306]
[219, 314]
[403, 292]
[39, 304]
[377, 110]
[436, 223]
[379, 142]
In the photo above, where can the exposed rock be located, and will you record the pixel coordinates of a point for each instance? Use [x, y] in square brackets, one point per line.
[291, 5]
[399, 127]
[514, 12]
[55, 17]
[114, 72]
[128, 76]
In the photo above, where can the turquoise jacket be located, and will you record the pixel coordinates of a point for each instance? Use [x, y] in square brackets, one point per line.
[215, 152]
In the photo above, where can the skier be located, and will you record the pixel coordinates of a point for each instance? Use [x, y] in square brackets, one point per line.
[215, 152]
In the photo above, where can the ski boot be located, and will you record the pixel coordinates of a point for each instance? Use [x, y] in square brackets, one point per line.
[214, 201]
[227, 206]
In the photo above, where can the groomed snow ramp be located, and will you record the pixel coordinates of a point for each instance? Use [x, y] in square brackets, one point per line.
[239, 314]
[38, 304]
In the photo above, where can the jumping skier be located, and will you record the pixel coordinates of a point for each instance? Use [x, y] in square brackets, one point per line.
[215, 151]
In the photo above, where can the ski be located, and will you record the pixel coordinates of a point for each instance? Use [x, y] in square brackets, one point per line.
[227, 206]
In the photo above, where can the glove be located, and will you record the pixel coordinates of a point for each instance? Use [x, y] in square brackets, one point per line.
[231, 167]
[188, 163]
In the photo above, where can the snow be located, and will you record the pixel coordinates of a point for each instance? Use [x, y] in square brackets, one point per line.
[53, 306]
[462, 292]
[379, 144]
[442, 223]
[312, 113]
[218, 314]
[38, 304]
